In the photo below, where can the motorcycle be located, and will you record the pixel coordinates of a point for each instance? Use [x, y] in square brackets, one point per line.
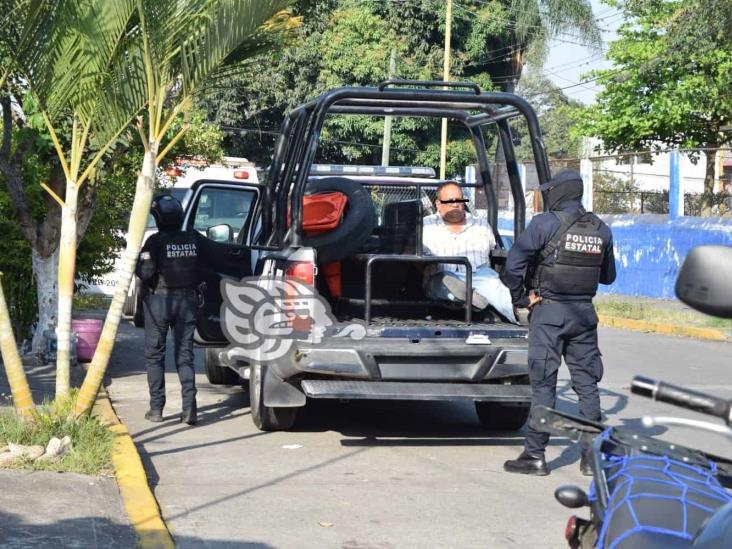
[645, 492]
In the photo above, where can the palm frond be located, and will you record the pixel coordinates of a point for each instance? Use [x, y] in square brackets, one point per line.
[548, 18]
[257, 25]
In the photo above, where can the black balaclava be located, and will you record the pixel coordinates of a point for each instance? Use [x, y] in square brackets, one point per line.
[566, 185]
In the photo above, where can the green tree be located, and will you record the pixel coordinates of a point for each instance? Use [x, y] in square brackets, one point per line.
[66, 55]
[515, 32]
[179, 48]
[556, 112]
[664, 91]
[91, 65]
[484, 31]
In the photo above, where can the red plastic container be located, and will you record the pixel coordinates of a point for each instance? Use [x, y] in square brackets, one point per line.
[87, 331]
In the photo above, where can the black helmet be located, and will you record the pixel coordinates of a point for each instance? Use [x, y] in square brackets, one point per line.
[167, 212]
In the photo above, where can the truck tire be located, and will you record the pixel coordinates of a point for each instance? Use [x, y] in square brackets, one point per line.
[267, 418]
[496, 416]
[215, 372]
[358, 222]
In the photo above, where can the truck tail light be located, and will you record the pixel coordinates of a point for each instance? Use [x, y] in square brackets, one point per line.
[302, 271]
[241, 174]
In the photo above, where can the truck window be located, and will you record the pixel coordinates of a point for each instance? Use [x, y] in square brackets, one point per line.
[217, 206]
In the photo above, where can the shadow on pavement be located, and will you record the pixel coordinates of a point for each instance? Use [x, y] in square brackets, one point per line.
[272, 482]
[91, 532]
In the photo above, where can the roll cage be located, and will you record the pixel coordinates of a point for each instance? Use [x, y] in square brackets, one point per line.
[298, 143]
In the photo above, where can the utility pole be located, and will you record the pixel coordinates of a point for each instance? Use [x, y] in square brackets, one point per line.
[446, 78]
[387, 119]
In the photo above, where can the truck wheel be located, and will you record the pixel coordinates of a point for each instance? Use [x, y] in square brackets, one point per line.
[267, 418]
[502, 417]
[215, 372]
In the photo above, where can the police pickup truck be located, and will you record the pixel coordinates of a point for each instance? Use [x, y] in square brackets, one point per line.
[322, 292]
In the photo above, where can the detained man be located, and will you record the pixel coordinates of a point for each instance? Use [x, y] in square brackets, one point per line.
[454, 232]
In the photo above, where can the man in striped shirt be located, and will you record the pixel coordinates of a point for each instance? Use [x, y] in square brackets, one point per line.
[454, 232]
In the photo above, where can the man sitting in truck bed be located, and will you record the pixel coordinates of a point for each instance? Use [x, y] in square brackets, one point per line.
[454, 232]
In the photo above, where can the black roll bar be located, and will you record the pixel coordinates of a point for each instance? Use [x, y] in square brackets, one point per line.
[429, 84]
[517, 190]
[419, 98]
[485, 177]
[391, 258]
[299, 144]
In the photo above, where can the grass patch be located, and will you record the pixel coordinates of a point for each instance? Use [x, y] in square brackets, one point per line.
[92, 442]
[661, 312]
[84, 302]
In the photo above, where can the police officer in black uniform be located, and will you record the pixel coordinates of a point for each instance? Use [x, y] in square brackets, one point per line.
[169, 268]
[554, 269]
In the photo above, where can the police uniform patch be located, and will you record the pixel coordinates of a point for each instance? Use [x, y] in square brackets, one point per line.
[583, 243]
[180, 250]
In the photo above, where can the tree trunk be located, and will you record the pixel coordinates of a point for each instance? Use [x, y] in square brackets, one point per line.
[708, 196]
[22, 397]
[135, 234]
[45, 270]
[66, 271]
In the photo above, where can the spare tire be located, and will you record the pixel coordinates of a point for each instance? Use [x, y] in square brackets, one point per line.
[359, 220]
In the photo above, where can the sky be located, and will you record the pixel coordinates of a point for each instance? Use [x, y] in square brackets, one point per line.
[567, 62]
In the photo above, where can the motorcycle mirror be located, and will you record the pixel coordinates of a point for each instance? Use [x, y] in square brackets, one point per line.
[704, 280]
[571, 496]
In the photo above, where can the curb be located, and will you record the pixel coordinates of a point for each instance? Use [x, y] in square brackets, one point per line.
[668, 329]
[139, 501]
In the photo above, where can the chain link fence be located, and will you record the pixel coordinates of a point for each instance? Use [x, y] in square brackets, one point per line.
[639, 182]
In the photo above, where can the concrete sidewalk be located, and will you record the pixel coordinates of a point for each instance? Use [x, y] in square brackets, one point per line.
[44, 509]
[51, 510]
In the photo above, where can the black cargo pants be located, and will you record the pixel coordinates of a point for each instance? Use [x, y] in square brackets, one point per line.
[170, 309]
[569, 330]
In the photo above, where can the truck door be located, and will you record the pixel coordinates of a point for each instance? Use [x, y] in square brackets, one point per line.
[223, 213]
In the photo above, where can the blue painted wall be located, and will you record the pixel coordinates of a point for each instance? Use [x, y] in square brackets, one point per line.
[649, 249]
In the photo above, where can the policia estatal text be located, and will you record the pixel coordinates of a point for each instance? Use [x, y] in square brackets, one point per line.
[169, 268]
[554, 268]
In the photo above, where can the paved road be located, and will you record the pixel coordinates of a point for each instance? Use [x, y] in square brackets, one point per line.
[376, 475]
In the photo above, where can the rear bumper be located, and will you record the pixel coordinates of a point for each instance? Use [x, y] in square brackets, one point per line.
[396, 359]
[394, 390]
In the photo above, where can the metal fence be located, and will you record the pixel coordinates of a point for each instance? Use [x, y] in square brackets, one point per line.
[630, 202]
[639, 182]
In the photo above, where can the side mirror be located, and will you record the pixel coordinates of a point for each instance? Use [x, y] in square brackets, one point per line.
[705, 280]
[573, 497]
[220, 233]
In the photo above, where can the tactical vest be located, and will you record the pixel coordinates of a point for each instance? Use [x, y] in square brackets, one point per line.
[577, 249]
[177, 259]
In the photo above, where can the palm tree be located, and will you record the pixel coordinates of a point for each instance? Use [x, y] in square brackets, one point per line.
[182, 47]
[22, 397]
[68, 55]
[528, 28]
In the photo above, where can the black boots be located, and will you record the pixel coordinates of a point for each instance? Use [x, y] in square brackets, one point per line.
[156, 416]
[189, 415]
[586, 464]
[526, 464]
